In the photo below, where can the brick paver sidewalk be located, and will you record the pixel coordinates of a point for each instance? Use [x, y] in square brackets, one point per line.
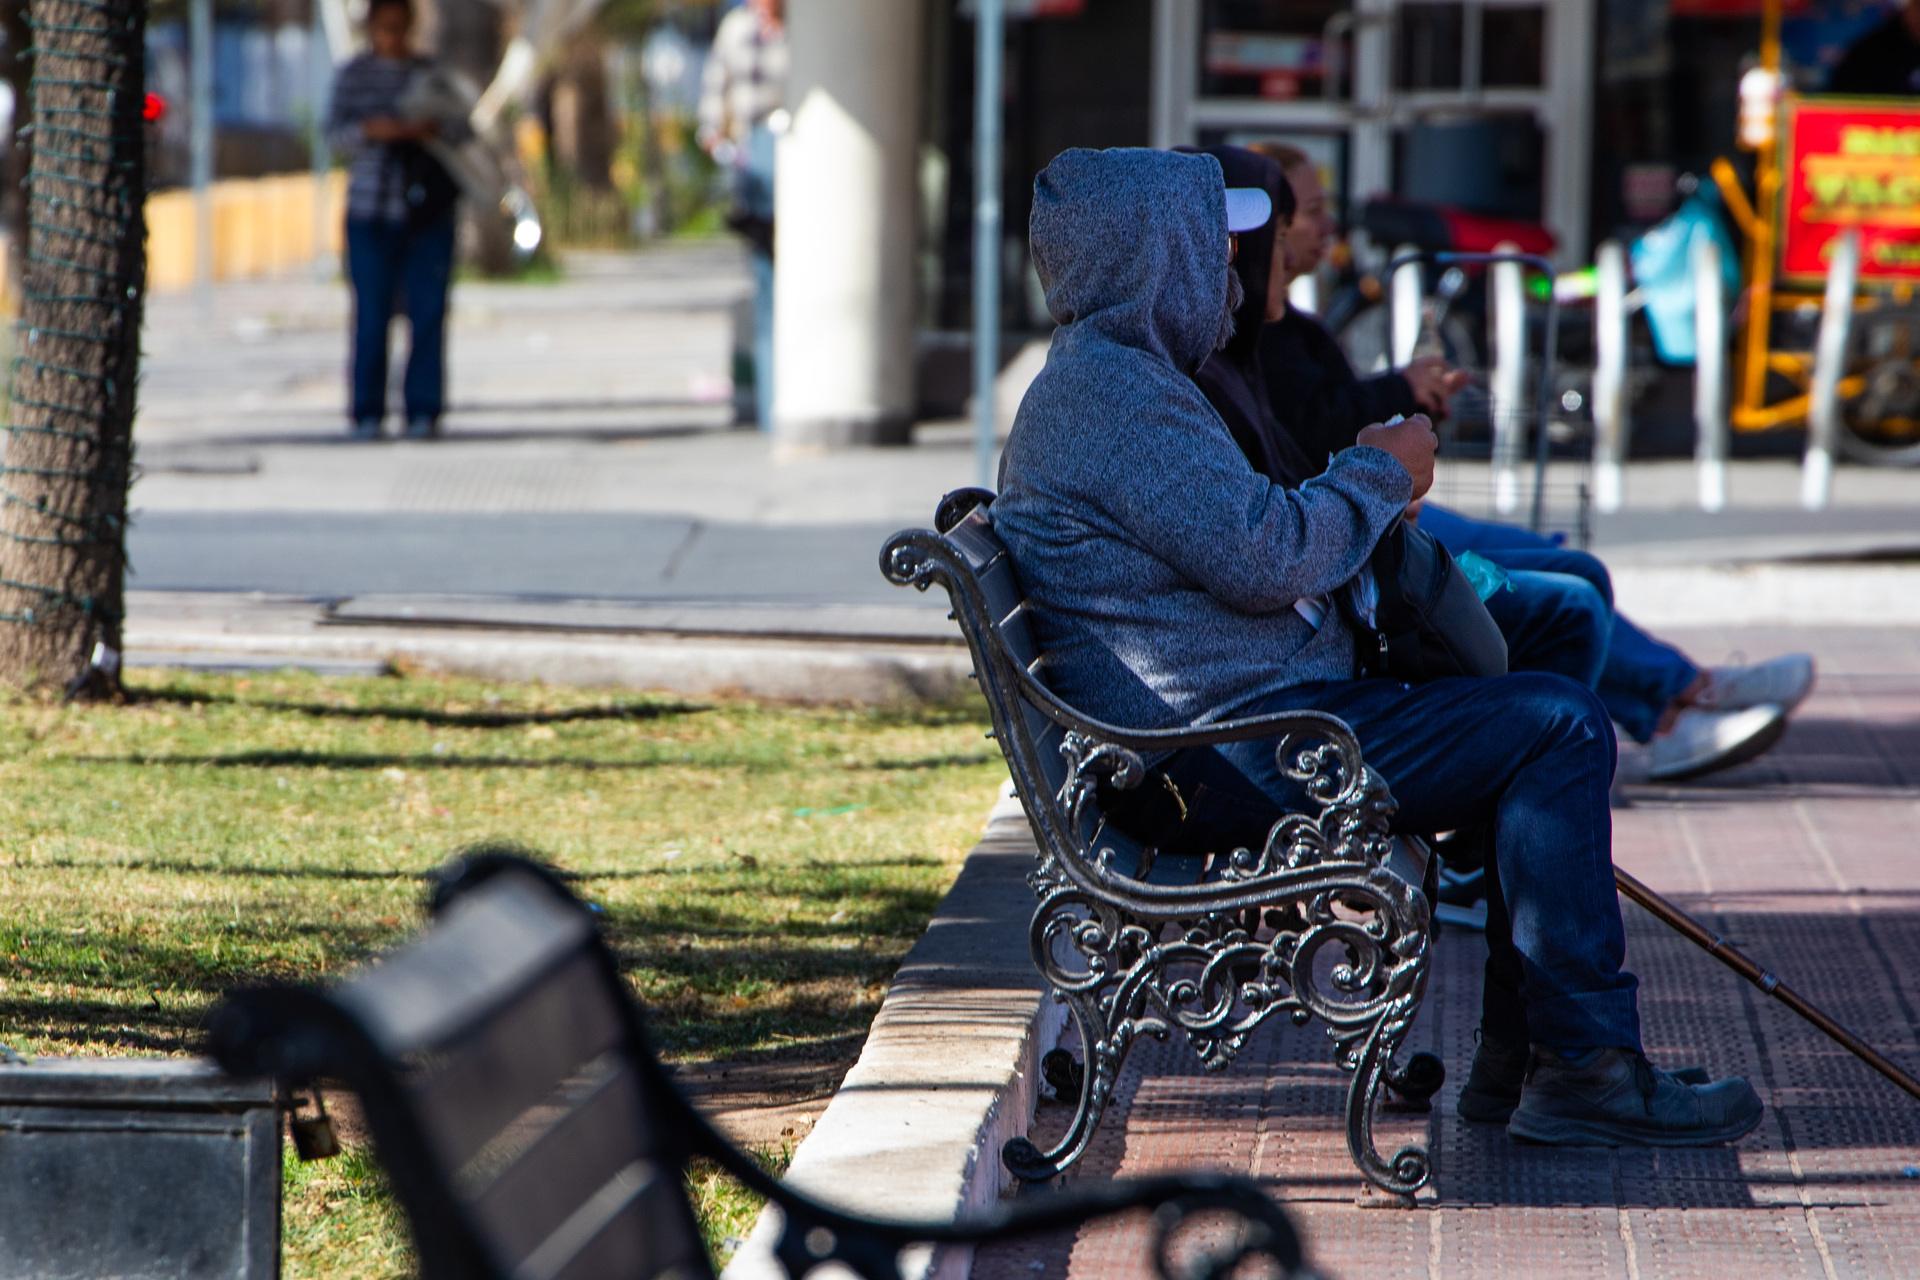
[1809, 859]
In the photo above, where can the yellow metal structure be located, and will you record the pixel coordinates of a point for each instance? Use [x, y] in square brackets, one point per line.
[1758, 218]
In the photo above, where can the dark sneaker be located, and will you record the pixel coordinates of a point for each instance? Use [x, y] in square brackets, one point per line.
[1613, 1097]
[422, 428]
[365, 429]
[1492, 1090]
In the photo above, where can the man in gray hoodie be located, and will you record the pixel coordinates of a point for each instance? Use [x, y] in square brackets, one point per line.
[1172, 584]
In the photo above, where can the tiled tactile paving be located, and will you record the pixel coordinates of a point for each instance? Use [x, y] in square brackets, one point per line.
[1808, 859]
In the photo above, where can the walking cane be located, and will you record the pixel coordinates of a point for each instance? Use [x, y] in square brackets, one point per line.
[1726, 953]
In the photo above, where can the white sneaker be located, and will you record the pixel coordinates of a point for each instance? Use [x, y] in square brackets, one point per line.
[1784, 681]
[1703, 741]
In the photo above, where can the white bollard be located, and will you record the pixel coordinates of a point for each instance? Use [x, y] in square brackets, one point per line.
[1709, 374]
[1509, 380]
[1829, 362]
[1610, 423]
[1303, 294]
[1404, 309]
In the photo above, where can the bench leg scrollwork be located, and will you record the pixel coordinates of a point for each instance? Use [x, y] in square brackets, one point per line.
[1300, 930]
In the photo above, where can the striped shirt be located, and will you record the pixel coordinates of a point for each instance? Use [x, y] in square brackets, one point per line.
[745, 80]
[365, 88]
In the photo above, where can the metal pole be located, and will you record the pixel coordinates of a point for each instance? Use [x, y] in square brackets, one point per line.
[1709, 373]
[1542, 441]
[1509, 378]
[1829, 361]
[1609, 375]
[1729, 955]
[320, 69]
[200, 54]
[990, 28]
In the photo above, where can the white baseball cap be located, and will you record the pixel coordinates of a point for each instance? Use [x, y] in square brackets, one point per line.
[1248, 208]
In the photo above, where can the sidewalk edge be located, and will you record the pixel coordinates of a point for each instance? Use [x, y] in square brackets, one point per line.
[789, 671]
[949, 1072]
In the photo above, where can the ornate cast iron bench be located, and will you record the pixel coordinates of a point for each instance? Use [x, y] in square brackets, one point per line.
[1330, 919]
[531, 1134]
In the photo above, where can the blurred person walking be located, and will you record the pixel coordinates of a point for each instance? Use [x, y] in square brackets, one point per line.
[1885, 62]
[742, 101]
[400, 206]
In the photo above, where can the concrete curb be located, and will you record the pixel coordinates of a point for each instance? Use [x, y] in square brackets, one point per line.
[783, 671]
[950, 1070]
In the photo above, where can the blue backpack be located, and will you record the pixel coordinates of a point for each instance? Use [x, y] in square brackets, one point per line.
[1664, 275]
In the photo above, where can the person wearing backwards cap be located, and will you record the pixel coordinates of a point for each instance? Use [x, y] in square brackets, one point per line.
[1171, 584]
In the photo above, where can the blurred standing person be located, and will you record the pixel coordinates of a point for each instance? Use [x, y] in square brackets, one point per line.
[400, 204]
[744, 86]
[1885, 62]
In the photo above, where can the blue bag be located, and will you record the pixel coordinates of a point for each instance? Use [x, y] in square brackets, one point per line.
[1664, 276]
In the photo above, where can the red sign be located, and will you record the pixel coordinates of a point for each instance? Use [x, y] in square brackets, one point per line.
[1851, 162]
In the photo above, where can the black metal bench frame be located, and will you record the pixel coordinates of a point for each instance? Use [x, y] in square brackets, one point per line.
[531, 1134]
[1217, 958]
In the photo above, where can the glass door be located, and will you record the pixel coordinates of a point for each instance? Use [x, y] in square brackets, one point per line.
[1485, 105]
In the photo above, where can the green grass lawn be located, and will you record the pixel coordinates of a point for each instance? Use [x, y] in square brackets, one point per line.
[762, 869]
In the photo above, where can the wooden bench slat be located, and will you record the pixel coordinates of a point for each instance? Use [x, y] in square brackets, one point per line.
[566, 1167]
[653, 1227]
[517, 1060]
[490, 947]
[976, 541]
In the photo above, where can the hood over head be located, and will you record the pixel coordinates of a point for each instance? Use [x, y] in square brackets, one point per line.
[1254, 262]
[1132, 243]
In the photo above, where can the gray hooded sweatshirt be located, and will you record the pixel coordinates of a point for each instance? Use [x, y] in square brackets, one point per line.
[1162, 568]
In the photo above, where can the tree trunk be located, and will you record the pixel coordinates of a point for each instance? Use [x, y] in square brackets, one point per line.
[471, 34]
[582, 124]
[63, 487]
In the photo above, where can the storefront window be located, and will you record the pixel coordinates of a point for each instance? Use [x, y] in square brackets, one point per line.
[1428, 44]
[1513, 47]
[1272, 49]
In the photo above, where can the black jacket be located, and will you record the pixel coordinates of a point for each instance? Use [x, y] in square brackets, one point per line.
[1232, 384]
[1885, 61]
[1315, 393]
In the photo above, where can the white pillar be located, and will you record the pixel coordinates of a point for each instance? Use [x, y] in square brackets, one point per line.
[1567, 120]
[1709, 373]
[1829, 362]
[1610, 424]
[844, 204]
[1509, 379]
[1403, 309]
[1370, 163]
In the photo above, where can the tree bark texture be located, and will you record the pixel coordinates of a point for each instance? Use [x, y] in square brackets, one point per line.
[63, 486]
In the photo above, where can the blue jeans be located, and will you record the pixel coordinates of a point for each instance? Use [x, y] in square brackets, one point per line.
[1640, 676]
[1529, 756]
[384, 261]
[1553, 622]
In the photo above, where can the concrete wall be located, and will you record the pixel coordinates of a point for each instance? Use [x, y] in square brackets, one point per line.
[262, 227]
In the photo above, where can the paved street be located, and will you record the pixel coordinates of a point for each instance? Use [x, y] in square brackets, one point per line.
[589, 453]
[1806, 859]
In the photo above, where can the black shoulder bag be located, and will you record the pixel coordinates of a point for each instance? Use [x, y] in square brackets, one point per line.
[427, 187]
[1428, 622]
